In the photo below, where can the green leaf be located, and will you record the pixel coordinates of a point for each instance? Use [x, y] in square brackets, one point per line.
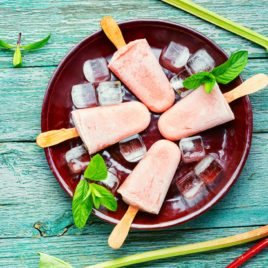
[5, 45]
[96, 201]
[196, 80]
[81, 206]
[88, 193]
[230, 69]
[47, 261]
[208, 86]
[106, 198]
[96, 169]
[37, 44]
[17, 57]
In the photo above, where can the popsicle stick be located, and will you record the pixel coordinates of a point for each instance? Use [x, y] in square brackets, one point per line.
[120, 231]
[54, 137]
[253, 84]
[112, 31]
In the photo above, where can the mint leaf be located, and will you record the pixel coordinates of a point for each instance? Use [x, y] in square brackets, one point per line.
[88, 193]
[17, 57]
[81, 204]
[230, 69]
[208, 86]
[96, 201]
[196, 80]
[37, 44]
[5, 45]
[96, 169]
[106, 198]
[47, 261]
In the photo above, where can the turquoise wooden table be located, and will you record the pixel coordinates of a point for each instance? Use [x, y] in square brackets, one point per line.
[35, 213]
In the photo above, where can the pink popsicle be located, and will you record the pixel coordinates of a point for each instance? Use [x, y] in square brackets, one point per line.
[147, 186]
[100, 127]
[136, 66]
[195, 113]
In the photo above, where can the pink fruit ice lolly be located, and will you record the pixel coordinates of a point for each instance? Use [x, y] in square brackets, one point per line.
[100, 127]
[136, 66]
[195, 113]
[146, 187]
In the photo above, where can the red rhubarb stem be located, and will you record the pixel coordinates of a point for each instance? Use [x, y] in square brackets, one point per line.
[249, 254]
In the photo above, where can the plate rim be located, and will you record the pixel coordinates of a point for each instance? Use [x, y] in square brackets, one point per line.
[167, 224]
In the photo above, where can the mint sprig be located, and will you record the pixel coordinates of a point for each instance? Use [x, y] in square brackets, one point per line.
[223, 74]
[17, 56]
[88, 195]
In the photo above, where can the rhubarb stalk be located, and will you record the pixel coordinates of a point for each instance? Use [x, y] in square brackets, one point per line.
[186, 249]
[220, 21]
[249, 254]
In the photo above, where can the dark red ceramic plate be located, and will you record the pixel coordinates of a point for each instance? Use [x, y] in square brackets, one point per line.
[231, 142]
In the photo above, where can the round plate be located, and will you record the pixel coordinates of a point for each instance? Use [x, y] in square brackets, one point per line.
[230, 142]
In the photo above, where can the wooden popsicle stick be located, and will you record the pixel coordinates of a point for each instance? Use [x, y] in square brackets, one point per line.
[253, 84]
[120, 231]
[54, 137]
[112, 31]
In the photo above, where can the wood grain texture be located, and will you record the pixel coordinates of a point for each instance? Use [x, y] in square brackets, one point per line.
[35, 213]
[70, 21]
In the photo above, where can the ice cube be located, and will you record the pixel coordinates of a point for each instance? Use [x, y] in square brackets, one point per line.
[168, 73]
[177, 203]
[110, 92]
[83, 96]
[200, 61]
[77, 159]
[174, 56]
[112, 181]
[96, 70]
[208, 169]
[132, 148]
[191, 188]
[192, 149]
[177, 83]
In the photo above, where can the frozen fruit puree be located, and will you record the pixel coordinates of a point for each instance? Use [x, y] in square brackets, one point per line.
[136, 66]
[100, 127]
[195, 113]
[147, 185]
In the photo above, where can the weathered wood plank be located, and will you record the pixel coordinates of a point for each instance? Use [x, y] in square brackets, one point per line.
[29, 195]
[71, 21]
[92, 248]
[21, 100]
